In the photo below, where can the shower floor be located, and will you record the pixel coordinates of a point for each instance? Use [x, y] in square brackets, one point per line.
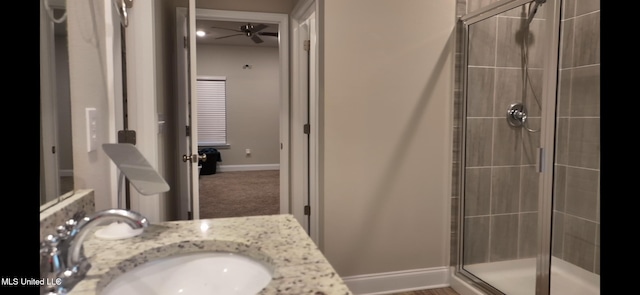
[517, 277]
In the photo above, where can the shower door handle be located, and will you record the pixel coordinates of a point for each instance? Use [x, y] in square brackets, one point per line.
[541, 154]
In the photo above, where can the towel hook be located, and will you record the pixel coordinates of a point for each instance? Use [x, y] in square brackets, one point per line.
[122, 10]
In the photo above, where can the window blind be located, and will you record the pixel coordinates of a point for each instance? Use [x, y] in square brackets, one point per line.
[212, 112]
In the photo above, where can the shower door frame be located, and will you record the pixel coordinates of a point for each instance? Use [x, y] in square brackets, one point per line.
[547, 141]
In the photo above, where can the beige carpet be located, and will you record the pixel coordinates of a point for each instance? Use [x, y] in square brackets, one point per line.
[240, 193]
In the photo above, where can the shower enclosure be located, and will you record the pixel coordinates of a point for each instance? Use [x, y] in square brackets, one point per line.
[527, 220]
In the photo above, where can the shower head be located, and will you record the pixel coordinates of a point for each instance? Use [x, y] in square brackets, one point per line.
[533, 9]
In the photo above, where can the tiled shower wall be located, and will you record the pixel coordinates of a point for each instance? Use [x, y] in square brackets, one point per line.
[500, 177]
[576, 223]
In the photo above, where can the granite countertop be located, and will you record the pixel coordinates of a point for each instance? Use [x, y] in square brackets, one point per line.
[278, 240]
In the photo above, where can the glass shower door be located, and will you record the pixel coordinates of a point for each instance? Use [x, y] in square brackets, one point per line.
[502, 176]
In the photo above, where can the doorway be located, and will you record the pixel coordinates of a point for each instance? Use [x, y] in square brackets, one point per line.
[232, 23]
[238, 117]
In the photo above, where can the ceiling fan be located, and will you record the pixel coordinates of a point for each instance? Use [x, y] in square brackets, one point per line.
[250, 30]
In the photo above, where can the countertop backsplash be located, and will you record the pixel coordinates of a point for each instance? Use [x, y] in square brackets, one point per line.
[56, 215]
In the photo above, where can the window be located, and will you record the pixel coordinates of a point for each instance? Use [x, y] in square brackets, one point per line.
[212, 111]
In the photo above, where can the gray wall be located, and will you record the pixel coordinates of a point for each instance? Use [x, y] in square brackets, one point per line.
[501, 183]
[253, 101]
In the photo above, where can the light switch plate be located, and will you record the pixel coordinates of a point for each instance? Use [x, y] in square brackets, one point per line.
[92, 129]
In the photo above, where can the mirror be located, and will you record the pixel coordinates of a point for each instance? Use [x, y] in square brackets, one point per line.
[56, 157]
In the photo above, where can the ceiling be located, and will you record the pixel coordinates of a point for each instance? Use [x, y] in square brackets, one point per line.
[226, 28]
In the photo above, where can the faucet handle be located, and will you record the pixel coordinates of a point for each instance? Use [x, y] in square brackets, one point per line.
[78, 215]
[50, 262]
[62, 232]
[50, 242]
[71, 223]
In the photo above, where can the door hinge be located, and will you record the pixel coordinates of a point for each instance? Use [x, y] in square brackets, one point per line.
[307, 128]
[127, 136]
[307, 210]
[53, 149]
[307, 45]
[188, 130]
[184, 43]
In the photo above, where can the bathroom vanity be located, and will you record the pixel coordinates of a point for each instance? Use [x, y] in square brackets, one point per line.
[297, 265]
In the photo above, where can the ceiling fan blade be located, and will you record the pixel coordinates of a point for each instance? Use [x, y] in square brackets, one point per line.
[258, 27]
[256, 39]
[229, 36]
[227, 29]
[272, 34]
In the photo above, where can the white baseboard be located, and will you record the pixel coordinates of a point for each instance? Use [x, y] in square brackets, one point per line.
[229, 168]
[398, 281]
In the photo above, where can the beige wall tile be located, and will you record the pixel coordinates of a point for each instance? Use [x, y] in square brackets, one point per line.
[505, 190]
[582, 191]
[482, 43]
[584, 142]
[478, 142]
[477, 198]
[579, 242]
[476, 239]
[585, 92]
[504, 237]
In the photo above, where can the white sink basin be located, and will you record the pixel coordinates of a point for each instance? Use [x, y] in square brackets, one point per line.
[196, 273]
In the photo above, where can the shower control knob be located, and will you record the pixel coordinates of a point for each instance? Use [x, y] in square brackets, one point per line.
[516, 115]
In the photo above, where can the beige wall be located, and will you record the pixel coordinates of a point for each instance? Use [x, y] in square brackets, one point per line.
[388, 86]
[88, 88]
[253, 103]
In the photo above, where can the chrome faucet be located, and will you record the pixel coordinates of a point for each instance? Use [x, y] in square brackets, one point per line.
[62, 260]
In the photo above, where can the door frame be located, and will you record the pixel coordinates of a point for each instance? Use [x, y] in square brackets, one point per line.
[183, 189]
[305, 154]
[48, 109]
[282, 20]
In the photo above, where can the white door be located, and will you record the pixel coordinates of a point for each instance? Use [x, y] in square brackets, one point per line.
[189, 206]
